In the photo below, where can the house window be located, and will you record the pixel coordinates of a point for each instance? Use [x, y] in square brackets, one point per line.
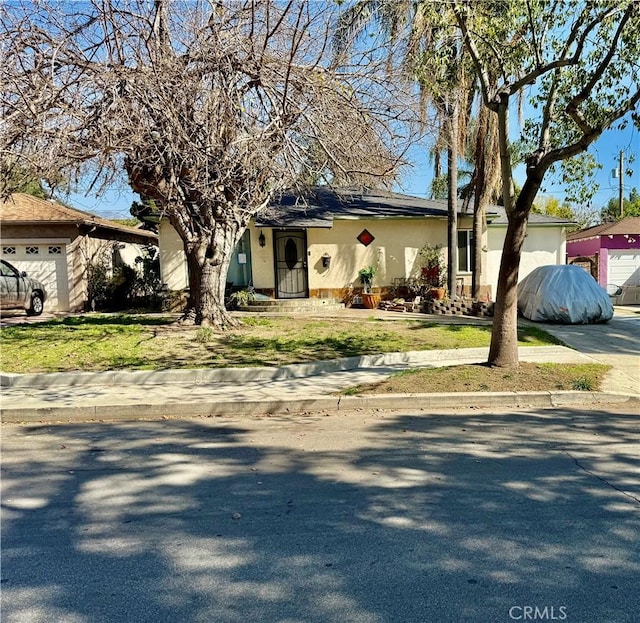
[465, 242]
[56, 250]
[8, 250]
[32, 250]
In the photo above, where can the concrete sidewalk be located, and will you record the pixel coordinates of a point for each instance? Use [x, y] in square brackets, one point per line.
[291, 389]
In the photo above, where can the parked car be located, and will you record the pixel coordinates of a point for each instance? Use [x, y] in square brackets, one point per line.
[17, 291]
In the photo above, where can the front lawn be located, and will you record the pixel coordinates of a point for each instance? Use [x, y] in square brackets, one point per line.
[101, 342]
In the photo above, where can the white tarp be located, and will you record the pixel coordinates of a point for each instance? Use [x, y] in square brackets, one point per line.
[567, 294]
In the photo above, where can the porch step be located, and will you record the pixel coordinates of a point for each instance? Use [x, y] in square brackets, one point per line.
[292, 305]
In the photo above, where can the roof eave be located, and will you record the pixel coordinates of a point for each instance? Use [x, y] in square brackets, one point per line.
[141, 233]
[530, 224]
[121, 230]
[372, 217]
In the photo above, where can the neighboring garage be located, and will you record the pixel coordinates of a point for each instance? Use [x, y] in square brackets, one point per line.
[624, 268]
[46, 262]
[56, 244]
[610, 250]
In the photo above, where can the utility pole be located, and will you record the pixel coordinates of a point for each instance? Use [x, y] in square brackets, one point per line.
[621, 192]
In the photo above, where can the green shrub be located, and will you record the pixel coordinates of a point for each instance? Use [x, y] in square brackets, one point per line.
[97, 285]
[240, 299]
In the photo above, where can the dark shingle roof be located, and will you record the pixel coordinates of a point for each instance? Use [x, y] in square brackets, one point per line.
[321, 205]
[497, 216]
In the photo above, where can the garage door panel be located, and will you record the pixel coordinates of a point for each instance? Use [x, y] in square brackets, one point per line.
[624, 268]
[47, 264]
[45, 272]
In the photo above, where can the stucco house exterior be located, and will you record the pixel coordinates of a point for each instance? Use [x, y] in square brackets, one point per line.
[55, 244]
[610, 251]
[314, 246]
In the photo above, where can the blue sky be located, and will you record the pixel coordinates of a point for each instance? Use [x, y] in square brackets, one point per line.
[606, 152]
[416, 181]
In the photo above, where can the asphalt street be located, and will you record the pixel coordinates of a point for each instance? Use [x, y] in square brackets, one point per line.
[390, 516]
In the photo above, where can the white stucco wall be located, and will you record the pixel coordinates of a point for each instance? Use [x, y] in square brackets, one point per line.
[173, 261]
[262, 258]
[393, 252]
[543, 246]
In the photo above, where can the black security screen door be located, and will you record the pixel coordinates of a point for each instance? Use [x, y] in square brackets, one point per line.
[291, 264]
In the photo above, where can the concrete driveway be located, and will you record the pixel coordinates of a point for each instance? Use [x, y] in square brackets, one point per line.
[615, 343]
[16, 317]
[370, 517]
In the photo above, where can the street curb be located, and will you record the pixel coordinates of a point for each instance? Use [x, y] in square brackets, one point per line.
[430, 403]
[201, 376]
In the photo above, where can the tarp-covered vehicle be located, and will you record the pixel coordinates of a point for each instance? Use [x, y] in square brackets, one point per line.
[565, 294]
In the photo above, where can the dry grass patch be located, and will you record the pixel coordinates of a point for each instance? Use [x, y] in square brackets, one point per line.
[529, 377]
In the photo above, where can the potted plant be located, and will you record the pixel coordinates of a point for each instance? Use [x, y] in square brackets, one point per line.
[369, 300]
[432, 272]
[366, 278]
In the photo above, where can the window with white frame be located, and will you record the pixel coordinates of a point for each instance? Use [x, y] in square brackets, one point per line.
[8, 250]
[32, 250]
[465, 242]
[55, 250]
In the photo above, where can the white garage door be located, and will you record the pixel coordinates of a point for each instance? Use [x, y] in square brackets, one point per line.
[48, 264]
[624, 268]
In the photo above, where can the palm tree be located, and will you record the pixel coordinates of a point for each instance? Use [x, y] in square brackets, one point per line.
[484, 186]
[435, 58]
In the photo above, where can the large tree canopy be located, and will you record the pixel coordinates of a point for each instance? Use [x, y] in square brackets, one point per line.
[210, 108]
[578, 61]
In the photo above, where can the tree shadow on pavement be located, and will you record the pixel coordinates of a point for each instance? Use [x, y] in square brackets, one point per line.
[392, 517]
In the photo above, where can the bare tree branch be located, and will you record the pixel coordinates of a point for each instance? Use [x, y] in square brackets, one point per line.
[209, 109]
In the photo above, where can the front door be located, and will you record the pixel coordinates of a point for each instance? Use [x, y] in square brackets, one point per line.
[291, 263]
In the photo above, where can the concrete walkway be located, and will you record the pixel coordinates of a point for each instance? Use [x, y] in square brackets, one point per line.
[316, 386]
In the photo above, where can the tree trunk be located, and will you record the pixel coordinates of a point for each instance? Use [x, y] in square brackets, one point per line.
[485, 177]
[476, 247]
[504, 336]
[503, 351]
[452, 205]
[208, 259]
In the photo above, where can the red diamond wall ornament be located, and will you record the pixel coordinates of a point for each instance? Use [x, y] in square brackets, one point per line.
[366, 238]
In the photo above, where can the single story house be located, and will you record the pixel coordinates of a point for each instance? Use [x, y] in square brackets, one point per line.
[610, 251]
[314, 246]
[56, 244]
